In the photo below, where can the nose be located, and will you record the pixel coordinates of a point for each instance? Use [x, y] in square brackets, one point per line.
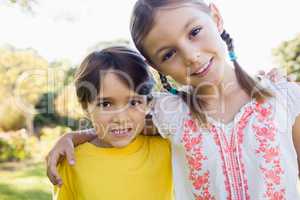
[121, 116]
[191, 57]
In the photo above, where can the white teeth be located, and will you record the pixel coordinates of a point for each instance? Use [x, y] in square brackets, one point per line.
[120, 131]
[205, 67]
[202, 69]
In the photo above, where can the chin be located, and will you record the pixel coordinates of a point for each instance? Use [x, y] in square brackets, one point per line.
[122, 143]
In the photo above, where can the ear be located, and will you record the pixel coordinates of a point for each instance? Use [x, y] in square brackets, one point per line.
[216, 15]
[150, 106]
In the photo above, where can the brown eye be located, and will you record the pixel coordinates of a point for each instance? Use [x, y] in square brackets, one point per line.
[195, 32]
[135, 102]
[104, 104]
[168, 55]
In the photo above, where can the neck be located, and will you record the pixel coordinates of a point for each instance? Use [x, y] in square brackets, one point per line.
[99, 143]
[227, 87]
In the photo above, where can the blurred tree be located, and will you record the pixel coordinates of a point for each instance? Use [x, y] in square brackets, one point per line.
[58, 104]
[28, 6]
[24, 4]
[66, 104]
[48, 115]
[23, 78]
[288, 56]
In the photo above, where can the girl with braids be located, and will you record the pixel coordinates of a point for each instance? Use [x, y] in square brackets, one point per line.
[232, 136]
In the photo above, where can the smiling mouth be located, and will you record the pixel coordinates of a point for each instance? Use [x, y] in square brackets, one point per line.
[121, 132]
[202, 71]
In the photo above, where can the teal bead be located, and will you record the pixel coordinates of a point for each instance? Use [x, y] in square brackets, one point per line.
[173, 91]
[232, 56]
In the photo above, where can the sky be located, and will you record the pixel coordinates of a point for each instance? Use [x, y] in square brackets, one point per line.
[65, 29]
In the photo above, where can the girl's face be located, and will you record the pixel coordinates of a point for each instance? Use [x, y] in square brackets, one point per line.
[185, 43]
[118, 113]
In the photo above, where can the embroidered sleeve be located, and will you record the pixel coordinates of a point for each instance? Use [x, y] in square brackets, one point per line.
[168, 113]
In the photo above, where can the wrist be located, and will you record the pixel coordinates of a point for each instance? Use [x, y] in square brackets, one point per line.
[69, 136]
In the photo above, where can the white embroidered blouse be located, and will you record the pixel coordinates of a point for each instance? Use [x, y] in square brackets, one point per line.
[251, 158]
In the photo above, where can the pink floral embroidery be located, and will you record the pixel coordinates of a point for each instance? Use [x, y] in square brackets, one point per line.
[233, 168]
[225, 172]
[265, 133]
[229, 155]
[195, 157]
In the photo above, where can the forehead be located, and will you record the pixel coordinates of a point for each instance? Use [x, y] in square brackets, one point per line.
[113, 86]
[170, 21]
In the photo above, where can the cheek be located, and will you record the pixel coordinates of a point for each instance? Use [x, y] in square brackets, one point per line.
[213, 41]
[138, 117]
[177, 71]
[100, 122]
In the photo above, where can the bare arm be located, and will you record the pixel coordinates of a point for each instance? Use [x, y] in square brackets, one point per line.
[296, 139]
[80, 137]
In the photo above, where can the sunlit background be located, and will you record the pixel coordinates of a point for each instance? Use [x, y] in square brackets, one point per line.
[43, 41]
[67, 28]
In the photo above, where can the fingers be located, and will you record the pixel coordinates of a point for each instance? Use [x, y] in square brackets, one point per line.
[260, 74]
[52, 173]
[275, 75]
[70, 155]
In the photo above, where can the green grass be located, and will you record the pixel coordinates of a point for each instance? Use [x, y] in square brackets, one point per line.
[24, 181]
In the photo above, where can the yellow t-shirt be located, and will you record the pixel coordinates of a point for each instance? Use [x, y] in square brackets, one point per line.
[139, 171]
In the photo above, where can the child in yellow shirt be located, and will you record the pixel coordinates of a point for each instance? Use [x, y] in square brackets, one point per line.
[113, 86]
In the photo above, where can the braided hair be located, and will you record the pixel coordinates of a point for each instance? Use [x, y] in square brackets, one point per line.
[248, 84]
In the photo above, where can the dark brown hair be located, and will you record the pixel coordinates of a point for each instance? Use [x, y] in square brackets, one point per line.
[142, 21]
[129, 66]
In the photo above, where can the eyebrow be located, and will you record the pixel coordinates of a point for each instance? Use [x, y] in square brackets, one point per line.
[103, 98]
[129, 97]
[184, 28]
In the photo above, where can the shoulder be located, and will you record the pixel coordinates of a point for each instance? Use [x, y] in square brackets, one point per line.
[168, 107]
[157, 141]
[159, 146]
[168, 112]
[287, 92]
[283, 88]
[85, 149]
[168, 102]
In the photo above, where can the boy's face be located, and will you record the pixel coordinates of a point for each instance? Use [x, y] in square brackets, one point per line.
[118, 113]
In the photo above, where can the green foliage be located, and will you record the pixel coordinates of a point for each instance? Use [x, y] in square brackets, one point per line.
[14, 147]
[66, 104]
[23, 78]
[288, 56]
[28, 88]
[48, 136]
[18, 145]
[10, 116]
[25, 5]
